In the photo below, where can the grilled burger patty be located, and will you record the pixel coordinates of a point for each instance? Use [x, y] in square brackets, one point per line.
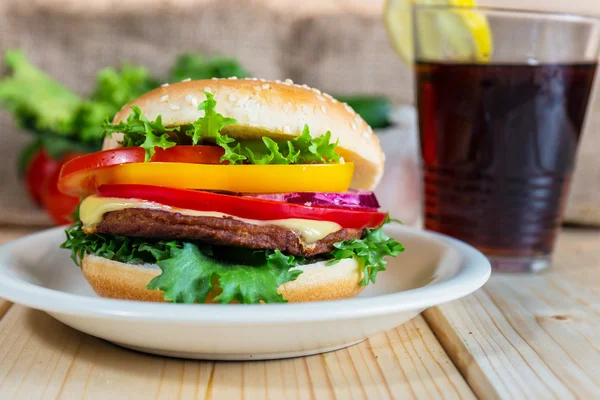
[138, 222]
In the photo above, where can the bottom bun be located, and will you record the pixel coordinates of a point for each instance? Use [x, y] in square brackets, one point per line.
[317, 282]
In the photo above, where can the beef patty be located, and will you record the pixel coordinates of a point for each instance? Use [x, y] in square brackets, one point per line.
[138, 222]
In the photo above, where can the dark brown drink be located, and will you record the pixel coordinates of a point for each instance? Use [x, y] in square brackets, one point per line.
[498, 145]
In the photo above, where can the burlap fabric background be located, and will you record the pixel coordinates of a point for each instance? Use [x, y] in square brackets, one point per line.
[338, 46]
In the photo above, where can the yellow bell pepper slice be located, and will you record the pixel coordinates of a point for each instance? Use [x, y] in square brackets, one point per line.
[232, 178]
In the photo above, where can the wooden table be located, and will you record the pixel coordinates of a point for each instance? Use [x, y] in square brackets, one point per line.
[519, 337]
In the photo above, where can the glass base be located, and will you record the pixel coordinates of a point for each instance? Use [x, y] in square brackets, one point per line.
[519, 264]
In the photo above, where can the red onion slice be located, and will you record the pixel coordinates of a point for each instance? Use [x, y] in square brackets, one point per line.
[353, 200]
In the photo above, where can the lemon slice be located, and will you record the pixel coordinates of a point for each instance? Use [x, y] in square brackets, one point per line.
[465, 34]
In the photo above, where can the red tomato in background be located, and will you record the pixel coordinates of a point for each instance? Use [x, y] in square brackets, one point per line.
[40, 168]
[41, 177]
[59, 207]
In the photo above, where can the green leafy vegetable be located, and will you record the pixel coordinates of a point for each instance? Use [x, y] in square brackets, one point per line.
[115, 247]
[209, 125]
[118, 87]
[196, 66]
[190, 270]
[62, 121]
[37, 101]
[303, 149]
[139, 131]
[114, 88]
[370, 250]
[188, 277]
[374, 110]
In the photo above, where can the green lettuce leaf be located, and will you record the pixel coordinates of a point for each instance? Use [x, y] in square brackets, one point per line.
[189, 274]
[37, 101]
[196, 66]
[303, 149]
[114, 88]
[371, 251]
[139, 131]
[208, 127]
[118, 87]
[60, 119]
[115, 247]
[189, 270]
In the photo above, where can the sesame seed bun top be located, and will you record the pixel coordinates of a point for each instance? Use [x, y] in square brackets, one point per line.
[267, 108]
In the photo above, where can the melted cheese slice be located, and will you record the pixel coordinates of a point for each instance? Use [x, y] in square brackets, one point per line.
[93, 208]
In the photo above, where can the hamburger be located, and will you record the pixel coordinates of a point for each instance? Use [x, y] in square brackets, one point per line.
[230, 191]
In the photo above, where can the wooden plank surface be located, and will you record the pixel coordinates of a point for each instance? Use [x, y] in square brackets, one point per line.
[531, 336]
[40, 358]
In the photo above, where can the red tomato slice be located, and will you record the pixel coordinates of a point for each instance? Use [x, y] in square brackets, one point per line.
[242, 207]
[106, 158]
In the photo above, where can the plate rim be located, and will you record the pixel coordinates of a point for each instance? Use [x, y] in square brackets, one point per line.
[472, 275]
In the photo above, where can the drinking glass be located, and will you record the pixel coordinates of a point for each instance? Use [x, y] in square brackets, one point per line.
[502, 98]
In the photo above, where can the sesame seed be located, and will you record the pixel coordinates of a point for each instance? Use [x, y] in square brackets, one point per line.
[353, 126]
[266, 86]
[214, 78]
[306, 86]
[164, 98]
[383, 156]
[232, 97]
[321, 98]
[296, 85]
[191, 100]
[262, 80]
[164, 85]
[342, 161]
[254, 79]
[207, 89]
[357, 119]
[333, 100]
[277, 81]
[365, 134]
[305, 109]
[308, 204]
[317, 91]
[328, 96]
[286, 129]
[174, 107]
[288, 81]
[324, 109]
[348, 108]
[186, 80]
[233, 78]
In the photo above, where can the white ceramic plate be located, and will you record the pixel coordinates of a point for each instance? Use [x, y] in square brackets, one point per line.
[434, 269]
